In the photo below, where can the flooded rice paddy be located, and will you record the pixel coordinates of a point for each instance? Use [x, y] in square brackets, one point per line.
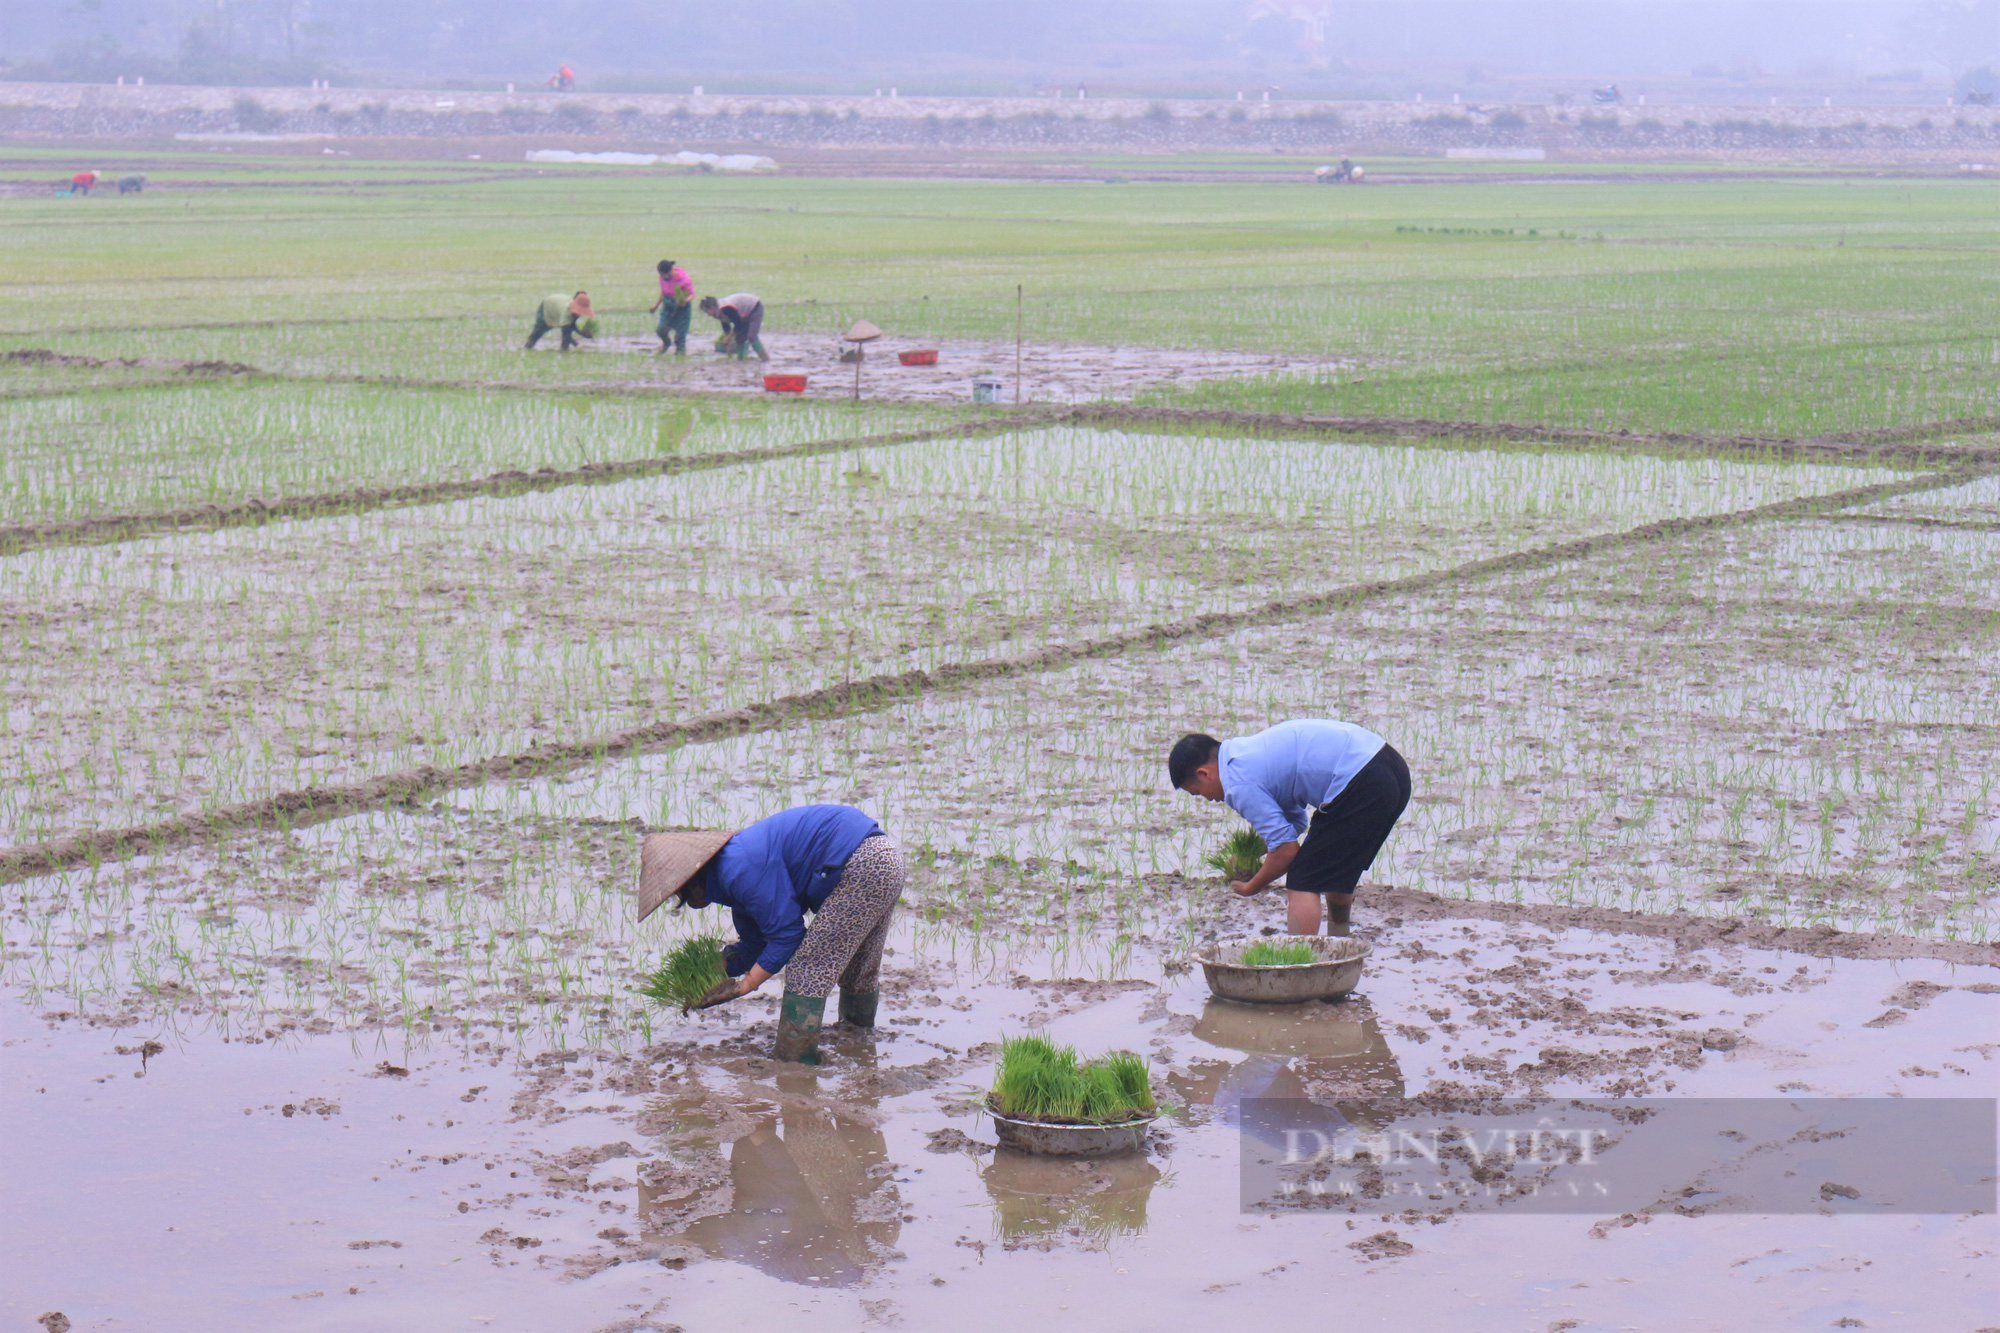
[187, 672]
[388, 1069]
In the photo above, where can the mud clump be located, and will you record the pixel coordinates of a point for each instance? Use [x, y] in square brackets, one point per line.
[218, 368]
[950, 1139]
[1382, 1245]
[318, 1106]
[55, 1321]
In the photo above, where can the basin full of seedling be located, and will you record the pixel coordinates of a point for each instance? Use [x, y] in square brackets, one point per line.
[1283, 969]
[1047, 1103]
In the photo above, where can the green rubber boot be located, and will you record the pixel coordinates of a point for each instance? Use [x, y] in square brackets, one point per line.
[858, 1009]
[799, 1019]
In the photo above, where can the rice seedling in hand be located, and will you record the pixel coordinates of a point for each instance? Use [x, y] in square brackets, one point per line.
[1270, 953]
[1242, 852]
[690, 971]
[1039, 1080]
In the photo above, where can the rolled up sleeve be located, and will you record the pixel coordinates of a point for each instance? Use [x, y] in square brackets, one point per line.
[1263, 813]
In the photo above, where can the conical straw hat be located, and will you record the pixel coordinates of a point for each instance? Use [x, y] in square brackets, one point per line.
[669, 860]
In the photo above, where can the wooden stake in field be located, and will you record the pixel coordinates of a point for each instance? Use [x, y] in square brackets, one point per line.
[1019, 322]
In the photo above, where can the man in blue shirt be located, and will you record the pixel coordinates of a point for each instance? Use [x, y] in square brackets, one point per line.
[833, 861]
[1353, 780]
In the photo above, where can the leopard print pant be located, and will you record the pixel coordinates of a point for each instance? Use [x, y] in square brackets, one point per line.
[844, 941]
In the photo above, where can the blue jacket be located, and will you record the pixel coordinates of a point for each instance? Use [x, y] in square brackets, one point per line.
[1273, 777]
[773, 872]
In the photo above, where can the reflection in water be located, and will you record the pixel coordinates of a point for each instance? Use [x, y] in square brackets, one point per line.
[1045, 1201]
[1331, 1051]
[813, 1198]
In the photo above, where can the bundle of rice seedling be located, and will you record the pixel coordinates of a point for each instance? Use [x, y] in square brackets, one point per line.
[1272, 953]
[1242, 852]
[1115, 1086]
[1039, 1080]
[691, 969]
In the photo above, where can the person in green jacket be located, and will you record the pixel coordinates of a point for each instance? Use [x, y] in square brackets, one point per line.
[571, 314]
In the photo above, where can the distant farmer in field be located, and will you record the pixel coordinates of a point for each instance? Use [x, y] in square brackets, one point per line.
[676, 307]
[134, 183]
[572, 315]
[82, 181]
[833, 861]
[1355, 782]
[563, 80]
[742, 317]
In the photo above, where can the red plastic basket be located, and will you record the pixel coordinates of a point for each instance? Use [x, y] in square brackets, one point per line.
[785, 383]
[928, 358]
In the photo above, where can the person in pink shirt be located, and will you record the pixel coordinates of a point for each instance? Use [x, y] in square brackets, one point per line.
[676, 307]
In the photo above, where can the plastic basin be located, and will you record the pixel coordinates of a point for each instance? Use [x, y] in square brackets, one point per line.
[927, 358]
[785, 383]
[1334, 971]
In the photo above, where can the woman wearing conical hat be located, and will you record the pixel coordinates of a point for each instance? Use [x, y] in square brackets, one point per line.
[832, 861]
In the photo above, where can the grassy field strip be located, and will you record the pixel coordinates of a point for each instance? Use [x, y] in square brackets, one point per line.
[171, 673]
[1786, 308]
[329, 800]
[22, 537]
[1788, 723]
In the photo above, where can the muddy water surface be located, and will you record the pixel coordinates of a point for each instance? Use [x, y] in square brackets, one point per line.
[354, 1180]
[1048, 372]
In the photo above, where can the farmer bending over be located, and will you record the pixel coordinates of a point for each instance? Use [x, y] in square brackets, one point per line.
[676, 307]
[742, 317]
[1356, 782]
[830, 860]
[573, 316]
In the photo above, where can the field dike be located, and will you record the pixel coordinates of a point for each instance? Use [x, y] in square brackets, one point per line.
[318, 803]
[1897, 445]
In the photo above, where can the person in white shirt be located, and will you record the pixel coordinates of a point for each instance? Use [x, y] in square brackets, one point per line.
[742, 318]
[1354, 782]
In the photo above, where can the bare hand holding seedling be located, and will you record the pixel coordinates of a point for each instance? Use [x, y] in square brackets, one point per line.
[722, 992]
[734, 988]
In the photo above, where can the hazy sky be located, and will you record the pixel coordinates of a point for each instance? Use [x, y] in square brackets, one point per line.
[1022, 40]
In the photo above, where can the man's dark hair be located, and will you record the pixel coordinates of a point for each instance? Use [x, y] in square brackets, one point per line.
[1189, 753]
[666, 267]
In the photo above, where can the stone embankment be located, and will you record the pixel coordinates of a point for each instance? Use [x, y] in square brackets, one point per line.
[85, 111]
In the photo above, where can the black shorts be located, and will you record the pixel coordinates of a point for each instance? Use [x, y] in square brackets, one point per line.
[1346, 833]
